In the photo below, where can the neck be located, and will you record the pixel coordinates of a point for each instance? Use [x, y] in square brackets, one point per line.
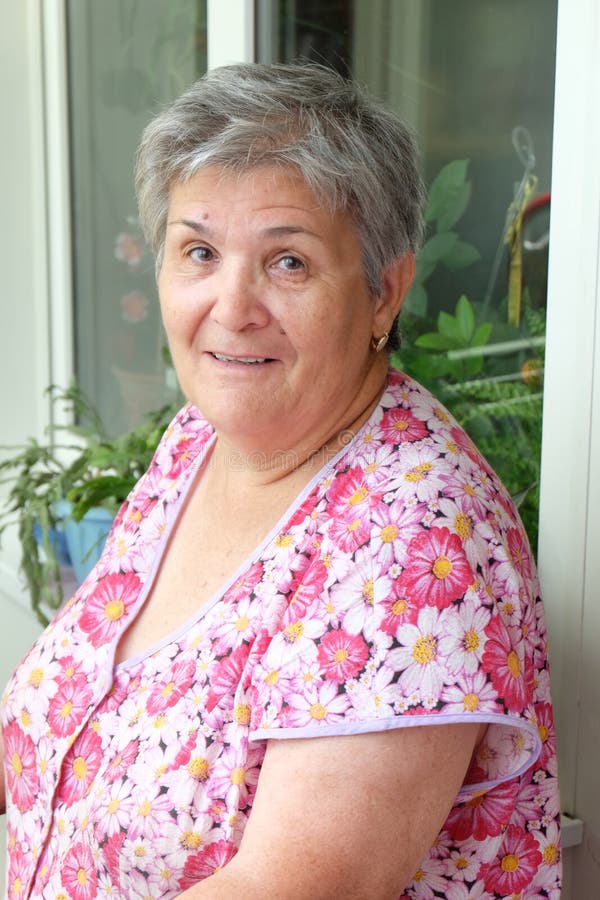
[235, 463]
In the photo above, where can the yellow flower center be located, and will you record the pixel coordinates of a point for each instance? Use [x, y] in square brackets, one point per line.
[242, 623]
[145, 808]
[461, 863]
[66, 710]
[81, 876]
[368, 591]
[198, 768]
[451, 447]
[273, 677]
[113, 806]
[17, 765]
[389, 533]
[471, 641]
[463, 527]
[237, 776]
[425, 649]
[241, 714]
[400, 425]
[318, 711]
[36, 677]
[419, 472]
[168, 689]
[25, 718]
[550, 854]
[442, 567]
[400, 606]
[191, 841]
[114, 610]
[340, 655]
[283, 540]
[293, 632]
[512, 661]
[470, 702]
[79, 768]
[510, 863]
[358, 496]
[543, 733]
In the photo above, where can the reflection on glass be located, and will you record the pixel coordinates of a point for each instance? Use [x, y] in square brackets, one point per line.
[126, 59]
[478, 90]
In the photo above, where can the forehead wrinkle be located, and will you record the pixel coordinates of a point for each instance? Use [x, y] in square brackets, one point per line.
[271, 231]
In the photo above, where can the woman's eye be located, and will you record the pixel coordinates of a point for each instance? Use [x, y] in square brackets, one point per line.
[290, 263]
[201, 254]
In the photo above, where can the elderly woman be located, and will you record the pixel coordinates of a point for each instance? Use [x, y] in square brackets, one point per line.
[311, 662]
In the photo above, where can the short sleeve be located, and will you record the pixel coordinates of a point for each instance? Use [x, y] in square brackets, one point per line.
[419, 605]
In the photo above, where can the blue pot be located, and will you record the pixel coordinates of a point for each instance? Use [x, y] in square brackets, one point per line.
[86, 539]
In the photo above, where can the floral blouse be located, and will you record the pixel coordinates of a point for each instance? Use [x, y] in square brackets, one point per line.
[398, 590]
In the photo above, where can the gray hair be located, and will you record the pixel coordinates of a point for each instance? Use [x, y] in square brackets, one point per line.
[351, 150]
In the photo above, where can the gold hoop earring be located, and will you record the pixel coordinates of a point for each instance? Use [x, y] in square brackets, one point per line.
[379, 343]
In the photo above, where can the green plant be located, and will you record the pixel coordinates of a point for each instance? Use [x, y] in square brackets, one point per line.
[487, 372]
[80, 464]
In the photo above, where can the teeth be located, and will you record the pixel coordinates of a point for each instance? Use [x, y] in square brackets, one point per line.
[239, 359]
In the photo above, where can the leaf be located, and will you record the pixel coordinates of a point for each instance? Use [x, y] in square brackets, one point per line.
[482, 334]
[435, 340]
[461, 255]
[446, 193]
[435, 249]
[416, 301]
[456, 208]
[448, 325]
[465, 319]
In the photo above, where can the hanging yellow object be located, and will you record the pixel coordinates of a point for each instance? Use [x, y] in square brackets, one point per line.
[513, 237]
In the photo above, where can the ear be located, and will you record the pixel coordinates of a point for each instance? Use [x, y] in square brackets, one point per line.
[396, 279]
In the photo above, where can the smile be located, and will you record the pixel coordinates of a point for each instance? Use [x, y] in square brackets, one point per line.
[247, 360]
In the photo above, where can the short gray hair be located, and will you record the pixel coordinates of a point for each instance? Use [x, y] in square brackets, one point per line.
[351, 150]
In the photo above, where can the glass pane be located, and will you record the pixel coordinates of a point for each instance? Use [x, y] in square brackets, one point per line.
[126, 59]
[478, 90]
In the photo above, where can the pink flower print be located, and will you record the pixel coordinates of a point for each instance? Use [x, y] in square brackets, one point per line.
[134, 307]
[485, 814]
[350, 531]
[245, 584]
[112, 855]
[208, 861]
[517, 862]
[121, 761]
[350, 496]
[511, 676]
[465, 638]
[400, 426]
[419, 659]
[17, 872]
[21, 769]
[469, 694]
[169, 690]
[341, 655]
[129, 248]
[69, 706]
[227, 675]
[519, 551]
[305, 588]
[78, 875]
[320, 704]
[112, 599]
[80, 767]
[398, 609]
[545, 726]
[393, 528]
[437, 571]
[235, 775]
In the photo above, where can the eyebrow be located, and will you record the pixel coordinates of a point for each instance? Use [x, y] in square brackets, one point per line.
[274, 231]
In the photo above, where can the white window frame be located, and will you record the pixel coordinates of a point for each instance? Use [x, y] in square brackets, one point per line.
[570, 472]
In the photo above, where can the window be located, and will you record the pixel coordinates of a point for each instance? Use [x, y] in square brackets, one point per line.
[126, 59]
[478, 90]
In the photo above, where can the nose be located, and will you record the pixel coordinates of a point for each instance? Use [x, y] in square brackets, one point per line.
[238, 303]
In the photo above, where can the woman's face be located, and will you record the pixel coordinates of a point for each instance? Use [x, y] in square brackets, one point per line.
[267, 311]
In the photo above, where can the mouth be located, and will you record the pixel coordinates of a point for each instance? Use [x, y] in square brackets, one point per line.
[244, 360]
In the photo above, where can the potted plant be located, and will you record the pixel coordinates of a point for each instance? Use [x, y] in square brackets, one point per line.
[64, 493]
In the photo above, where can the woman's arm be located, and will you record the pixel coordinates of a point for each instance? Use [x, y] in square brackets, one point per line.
[349, 816]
